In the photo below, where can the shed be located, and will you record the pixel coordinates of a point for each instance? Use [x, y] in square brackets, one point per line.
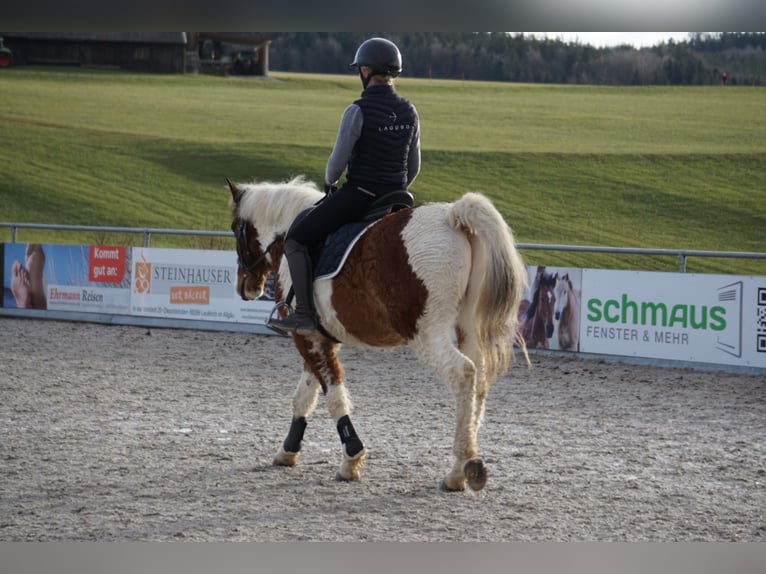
[160, 52]
[237, 53]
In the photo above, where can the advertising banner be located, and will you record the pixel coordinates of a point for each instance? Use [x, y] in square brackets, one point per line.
[191, 284]
[82, 278]
[550, 309]
[678, 316]
[699, 318]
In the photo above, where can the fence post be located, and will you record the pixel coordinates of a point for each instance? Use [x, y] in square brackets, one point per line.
[147, 237]
[682, 262]
[13, 233]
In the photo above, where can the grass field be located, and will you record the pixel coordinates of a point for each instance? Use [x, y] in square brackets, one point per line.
[660, 167]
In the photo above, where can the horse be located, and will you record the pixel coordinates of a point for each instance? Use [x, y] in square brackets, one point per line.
[567, 313]
[538, 315]
[444, 279]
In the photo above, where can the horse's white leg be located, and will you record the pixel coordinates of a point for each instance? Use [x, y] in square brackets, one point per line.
[468, 343]
[321, 360]
[460, 372]
[304, 401]
[354, 452]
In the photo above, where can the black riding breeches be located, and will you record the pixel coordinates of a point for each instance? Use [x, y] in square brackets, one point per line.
[346, 205]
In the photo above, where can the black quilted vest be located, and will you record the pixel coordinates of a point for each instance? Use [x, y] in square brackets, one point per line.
[379, 159]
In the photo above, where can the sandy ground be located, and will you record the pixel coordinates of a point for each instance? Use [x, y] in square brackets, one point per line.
[131, 434]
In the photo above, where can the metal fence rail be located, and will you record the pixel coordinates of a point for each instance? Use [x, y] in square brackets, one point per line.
[681, 254]
[146, 231]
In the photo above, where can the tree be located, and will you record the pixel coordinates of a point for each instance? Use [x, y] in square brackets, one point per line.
[505, 57]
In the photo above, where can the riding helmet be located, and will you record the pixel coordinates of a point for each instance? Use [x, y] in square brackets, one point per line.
[379, 54]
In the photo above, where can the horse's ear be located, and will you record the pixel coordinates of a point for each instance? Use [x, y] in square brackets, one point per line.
[236, 193]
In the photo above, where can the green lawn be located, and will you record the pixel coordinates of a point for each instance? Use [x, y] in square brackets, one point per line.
[661, 167]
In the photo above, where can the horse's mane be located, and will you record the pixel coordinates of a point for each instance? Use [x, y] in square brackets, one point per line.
[571, 288]
[275, 205]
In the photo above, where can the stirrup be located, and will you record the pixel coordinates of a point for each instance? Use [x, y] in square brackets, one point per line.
[271, 318]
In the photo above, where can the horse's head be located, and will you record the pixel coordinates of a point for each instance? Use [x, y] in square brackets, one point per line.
[563, 290]
[546, 301]
[255, 261]
[261, 214]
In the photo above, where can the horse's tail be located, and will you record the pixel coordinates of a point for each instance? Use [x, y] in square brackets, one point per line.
[496, 283]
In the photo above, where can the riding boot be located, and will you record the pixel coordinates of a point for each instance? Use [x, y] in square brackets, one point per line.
[303, 320]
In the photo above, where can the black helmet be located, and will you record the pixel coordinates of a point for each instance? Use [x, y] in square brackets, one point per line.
[379, 54]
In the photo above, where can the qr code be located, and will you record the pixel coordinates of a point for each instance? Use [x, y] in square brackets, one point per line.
[760, 321]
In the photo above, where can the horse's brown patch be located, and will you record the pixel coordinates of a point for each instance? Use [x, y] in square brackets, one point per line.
[249, 252]
[377, 297]
[321, 359]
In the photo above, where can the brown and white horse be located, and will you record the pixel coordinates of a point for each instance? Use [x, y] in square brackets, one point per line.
[443, 278]
[538, 314]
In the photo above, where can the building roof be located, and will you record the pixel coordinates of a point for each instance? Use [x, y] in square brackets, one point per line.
[131, 37]
[247, 38]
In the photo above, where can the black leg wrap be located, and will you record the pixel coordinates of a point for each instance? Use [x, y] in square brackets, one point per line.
[348, 436]
[295, 436]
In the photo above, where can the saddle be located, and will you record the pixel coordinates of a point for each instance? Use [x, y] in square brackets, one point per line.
[388, 203]
[329, 256]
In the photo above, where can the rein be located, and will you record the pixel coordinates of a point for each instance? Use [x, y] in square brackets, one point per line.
[241, 251]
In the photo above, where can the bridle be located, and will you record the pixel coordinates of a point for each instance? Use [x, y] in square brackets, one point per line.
[244, 253]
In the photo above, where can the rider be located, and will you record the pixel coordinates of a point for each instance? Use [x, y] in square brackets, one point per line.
[378, 144]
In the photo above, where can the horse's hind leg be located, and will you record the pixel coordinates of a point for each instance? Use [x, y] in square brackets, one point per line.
[460, 372]
[304, 401]
[354, 453]
[468, 344]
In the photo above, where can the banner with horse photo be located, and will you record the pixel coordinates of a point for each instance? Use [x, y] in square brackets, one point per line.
[549, 315]
[80, 278]
[191, 284]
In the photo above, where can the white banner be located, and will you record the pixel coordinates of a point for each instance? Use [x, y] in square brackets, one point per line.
[701, 318]
[191, 284]
[679, 316]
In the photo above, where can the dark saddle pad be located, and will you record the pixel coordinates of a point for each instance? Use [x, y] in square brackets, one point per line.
[337, 247]
[330, 257]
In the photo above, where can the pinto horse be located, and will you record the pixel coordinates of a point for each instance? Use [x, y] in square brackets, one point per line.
[538, 317]
[567, 313]
[444, 279]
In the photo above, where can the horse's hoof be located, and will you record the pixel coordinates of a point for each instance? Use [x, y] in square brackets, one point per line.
[285, 458]
[476, 473]
[446, 487]
[340, 478]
